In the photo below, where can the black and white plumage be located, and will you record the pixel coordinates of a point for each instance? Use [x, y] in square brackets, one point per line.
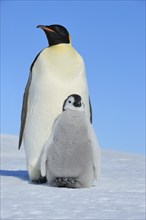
[56, 72]
[71, 155]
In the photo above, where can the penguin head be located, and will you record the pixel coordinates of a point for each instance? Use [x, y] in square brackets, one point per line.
[74, 102]
[56, 34]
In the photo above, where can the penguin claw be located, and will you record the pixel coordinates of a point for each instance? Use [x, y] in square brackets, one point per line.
[41, 179]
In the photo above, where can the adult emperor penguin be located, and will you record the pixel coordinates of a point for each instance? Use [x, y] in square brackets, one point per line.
[71, 156]
[56, 72]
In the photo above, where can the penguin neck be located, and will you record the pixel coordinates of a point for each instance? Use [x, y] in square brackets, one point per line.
[60, 48]
[60, 45]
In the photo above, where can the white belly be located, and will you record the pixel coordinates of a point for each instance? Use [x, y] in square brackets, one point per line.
[54, 78]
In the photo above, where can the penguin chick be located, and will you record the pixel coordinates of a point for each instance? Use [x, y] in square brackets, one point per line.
[56, 72]
[71, 156]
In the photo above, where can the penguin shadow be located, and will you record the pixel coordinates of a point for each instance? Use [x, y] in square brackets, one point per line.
[20, 174]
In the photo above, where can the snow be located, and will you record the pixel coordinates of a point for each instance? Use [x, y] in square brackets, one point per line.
[119, 193]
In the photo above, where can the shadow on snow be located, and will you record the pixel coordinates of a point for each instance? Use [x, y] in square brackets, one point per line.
[21, 174]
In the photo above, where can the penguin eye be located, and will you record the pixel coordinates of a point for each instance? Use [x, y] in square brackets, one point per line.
[69, 101]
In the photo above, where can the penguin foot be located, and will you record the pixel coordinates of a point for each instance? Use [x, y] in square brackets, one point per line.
[68, 182]
[41, 179]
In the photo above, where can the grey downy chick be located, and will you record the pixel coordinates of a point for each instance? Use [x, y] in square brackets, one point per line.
[71, 156]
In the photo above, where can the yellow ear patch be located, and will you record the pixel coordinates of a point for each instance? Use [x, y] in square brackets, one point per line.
[70, 39]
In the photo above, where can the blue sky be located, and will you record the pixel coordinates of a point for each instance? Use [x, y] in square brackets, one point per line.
[110, 35]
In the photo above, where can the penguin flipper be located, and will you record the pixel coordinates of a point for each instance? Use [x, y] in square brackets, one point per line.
[96, 155]
[25, 100]
[24, 109]
[43, 160]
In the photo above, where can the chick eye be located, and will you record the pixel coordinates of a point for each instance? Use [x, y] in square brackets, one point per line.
[69, 101]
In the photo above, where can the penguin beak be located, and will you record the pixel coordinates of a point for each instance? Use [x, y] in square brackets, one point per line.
[45, 28]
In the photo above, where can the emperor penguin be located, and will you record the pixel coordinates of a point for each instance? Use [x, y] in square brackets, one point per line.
[71, 156]
[56, 72]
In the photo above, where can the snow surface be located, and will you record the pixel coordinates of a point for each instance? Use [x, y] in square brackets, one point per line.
[118, 195]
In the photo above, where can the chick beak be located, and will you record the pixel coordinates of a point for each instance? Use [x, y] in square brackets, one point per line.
[77, 104]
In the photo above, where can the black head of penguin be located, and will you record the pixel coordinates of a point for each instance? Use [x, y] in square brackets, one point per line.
[77, 102]
[56, 34]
